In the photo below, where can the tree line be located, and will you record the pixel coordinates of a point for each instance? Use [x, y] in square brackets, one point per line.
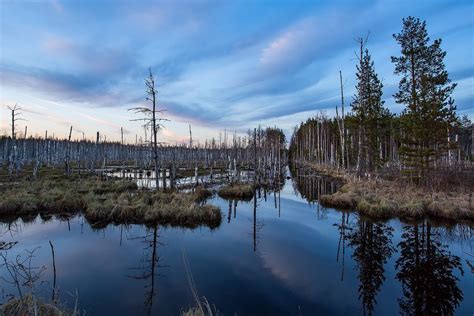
[427, 135]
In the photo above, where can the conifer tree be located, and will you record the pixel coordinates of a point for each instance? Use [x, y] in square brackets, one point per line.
[425, 89]
[369, 110]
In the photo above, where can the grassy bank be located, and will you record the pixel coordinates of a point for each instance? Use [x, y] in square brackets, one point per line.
[103, 202]
[385, 199]
[240, 191]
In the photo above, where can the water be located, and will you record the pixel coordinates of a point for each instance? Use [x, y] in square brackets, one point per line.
[288, 257]
[147, 178]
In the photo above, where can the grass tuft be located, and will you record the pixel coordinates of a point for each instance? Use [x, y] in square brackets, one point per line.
[237, 191]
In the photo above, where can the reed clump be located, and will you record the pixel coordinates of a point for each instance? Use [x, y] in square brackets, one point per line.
[201, 193]
[239, 190]
[30, 305]
[103, 202]
[386, 199]
[203, 308]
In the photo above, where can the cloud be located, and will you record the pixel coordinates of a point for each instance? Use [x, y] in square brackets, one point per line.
[100, 121]
[90, 59]
[86, 89]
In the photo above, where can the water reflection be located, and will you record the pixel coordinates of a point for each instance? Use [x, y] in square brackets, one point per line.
[343, 228]
[286, 267]
[147, 270]
[372, 247]
[426, 271]
[229, 213]
[311, 185]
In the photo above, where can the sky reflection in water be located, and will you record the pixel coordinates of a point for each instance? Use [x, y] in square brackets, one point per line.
[300, 259]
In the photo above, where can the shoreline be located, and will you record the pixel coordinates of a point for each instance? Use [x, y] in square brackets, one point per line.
[384, 199]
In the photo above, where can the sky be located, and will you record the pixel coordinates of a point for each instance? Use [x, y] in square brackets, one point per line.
[219, 65]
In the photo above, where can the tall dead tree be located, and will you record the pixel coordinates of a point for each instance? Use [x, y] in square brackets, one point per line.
[15, 113]
[151, 118]
[341, 126]
[68, 154]
[15, 117]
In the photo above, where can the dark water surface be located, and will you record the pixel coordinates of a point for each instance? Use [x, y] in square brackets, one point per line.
[287, 257]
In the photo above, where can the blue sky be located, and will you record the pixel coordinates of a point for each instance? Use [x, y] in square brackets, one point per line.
[219, 64]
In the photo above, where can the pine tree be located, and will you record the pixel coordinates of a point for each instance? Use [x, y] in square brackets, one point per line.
[425, 89]
[369, 110]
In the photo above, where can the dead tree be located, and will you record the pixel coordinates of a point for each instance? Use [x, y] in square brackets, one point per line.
[342, 131]
[151, 118]
[13, 157]
[68, 154]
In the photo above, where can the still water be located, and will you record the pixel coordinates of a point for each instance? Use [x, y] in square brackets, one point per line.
[289, 256]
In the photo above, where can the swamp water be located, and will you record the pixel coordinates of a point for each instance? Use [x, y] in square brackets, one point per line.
[289, 256]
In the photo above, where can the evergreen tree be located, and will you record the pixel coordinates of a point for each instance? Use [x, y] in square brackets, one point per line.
[369, 110]
[425, 89]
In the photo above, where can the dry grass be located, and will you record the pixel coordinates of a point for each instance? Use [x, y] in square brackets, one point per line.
[29, 305]
[166, 208]
[103, 202]
[385, 199]
[201, 193]
[328, 171]
[203, 308]
[237, 191]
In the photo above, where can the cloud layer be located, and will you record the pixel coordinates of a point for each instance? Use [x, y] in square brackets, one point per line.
[218, 64]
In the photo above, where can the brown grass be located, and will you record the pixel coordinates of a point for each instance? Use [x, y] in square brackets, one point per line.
[385, 199]
[29, 305]
[237, 191]
[201, 193]
[103, 202]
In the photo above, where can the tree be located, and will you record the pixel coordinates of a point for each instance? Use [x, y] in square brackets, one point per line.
[13, 157]
[151, 119]
[425, 89]
[369, 110]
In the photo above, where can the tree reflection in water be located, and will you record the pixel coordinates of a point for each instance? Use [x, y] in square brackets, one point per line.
[149, 265]
[372, 245]
[426, 271]
[311, 186]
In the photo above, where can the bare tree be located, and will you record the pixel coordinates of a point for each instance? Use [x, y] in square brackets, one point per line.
[151, 118]
[342, 130]
[15, 117]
